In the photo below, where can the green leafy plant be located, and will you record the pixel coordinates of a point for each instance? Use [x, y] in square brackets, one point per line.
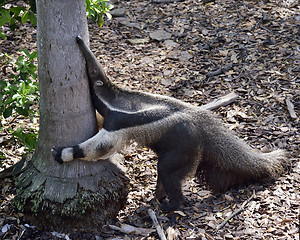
[14, 15]
[29, 138]
[1, 155]
[19, 94]
[22, 91]
[96, 9]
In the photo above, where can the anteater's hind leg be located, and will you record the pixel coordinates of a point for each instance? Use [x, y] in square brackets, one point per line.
[173, 168]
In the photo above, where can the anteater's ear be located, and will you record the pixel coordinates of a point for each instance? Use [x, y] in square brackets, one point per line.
[99, 83]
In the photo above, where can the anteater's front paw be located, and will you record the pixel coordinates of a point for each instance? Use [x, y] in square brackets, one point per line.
[166, 206]
[56, 153]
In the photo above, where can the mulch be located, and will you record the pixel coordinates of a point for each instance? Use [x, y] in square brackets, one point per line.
[195, 51]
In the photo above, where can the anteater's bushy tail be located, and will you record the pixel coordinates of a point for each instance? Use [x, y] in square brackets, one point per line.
[228, 161]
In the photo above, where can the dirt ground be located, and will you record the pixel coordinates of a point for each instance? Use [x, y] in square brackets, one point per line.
[196, 51]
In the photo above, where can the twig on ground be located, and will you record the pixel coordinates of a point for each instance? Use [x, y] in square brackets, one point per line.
[222, 101]
[171, 233]
[159, 230]
[236, 212]
[291, 109]
[128, 229]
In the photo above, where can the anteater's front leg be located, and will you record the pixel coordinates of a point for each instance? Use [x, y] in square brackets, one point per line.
[100, 146]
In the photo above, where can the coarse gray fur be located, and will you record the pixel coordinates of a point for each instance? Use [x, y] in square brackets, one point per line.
[187, 139]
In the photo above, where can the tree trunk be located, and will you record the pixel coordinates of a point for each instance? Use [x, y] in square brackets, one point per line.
[56, 196]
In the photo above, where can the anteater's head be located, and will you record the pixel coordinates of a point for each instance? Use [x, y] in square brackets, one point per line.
[96, 74]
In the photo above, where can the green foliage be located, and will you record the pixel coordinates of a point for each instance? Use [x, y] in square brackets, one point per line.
[29, 139]
[1, 157]
[14, 15]
[22, 90]
[96, 9]
[19, 93]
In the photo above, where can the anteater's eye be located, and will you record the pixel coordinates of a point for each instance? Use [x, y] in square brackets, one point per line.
[99, 83]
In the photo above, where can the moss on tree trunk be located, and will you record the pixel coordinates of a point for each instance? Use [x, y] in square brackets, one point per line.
[97, 198]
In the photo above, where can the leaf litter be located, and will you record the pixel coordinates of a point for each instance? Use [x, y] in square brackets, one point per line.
[206, 49]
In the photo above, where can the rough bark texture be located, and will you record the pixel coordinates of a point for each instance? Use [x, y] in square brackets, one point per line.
[67, 193]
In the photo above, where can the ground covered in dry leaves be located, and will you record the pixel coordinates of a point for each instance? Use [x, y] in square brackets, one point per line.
[197, 51]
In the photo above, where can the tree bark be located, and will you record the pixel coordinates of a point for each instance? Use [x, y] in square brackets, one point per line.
[56, 196]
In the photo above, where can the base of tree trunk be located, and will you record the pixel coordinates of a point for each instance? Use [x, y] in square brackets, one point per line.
[88, 210]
